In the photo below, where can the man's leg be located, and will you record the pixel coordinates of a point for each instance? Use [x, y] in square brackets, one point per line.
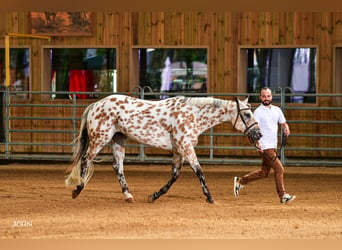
[258, 174]
[275, 164]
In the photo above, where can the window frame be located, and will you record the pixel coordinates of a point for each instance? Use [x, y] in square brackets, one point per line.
[242, 71]
[134, 62]
[29, 47]
[46, 67]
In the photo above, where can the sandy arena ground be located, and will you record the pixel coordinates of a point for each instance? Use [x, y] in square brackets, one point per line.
[36, 205]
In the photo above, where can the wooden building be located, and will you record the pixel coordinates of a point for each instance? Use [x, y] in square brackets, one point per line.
[225, 34]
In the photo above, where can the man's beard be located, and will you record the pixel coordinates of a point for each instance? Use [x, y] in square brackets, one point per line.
[266, 103]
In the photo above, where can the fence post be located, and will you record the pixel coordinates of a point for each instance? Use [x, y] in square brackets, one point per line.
[211, 143]
[283, 107]
[141, 155]
[2, 118]
[7, 114]
[74, 113]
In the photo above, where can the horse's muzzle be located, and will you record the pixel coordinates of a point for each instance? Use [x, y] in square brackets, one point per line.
[254, 135]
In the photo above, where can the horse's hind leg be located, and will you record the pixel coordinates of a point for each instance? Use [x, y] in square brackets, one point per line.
[119, 155]
[86, 166]
[177, 164]
[84, 173]
[77, 191]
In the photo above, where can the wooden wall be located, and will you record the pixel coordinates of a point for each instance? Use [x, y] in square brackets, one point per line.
[221, 32]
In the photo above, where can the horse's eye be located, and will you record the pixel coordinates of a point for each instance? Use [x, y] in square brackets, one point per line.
[248, 115]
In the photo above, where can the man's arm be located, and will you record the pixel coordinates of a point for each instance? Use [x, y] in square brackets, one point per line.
[285, 128]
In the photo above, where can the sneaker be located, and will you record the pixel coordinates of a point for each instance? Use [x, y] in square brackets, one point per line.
[287, 198]
[237, 185]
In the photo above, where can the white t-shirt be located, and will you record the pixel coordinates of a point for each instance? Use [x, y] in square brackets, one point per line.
[268, 119]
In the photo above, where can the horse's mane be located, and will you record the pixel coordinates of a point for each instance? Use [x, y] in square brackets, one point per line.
[203, 101]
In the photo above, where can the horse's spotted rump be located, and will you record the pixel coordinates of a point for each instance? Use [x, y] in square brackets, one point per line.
[173, 124]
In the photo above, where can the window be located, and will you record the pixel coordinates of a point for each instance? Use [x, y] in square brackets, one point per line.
[173, 69]
[291, 69]
[80, 70]
[19, 70]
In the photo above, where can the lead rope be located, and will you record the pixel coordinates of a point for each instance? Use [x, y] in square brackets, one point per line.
[282, 144]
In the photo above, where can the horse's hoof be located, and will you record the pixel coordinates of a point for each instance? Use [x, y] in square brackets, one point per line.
[211, 201]
[130, 200]
[74, 194]
[151, 199]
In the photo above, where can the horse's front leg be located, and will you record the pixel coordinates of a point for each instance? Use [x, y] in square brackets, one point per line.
[195, 166]
[176, 166]
[119, 155]
[198, 171]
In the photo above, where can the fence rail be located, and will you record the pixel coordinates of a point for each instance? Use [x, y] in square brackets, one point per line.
[7, 144]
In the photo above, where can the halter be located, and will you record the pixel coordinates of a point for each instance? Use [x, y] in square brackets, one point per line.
[247, 130]
[242, 119]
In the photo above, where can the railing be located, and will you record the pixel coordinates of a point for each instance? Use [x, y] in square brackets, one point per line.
[7, 146]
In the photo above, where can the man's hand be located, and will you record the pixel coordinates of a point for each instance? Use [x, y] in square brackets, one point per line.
[286, 129]
[258, 145]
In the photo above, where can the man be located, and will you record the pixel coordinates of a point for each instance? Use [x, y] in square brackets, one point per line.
[268, 116]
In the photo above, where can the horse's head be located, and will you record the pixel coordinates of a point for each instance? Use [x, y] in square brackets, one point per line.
[245, 121]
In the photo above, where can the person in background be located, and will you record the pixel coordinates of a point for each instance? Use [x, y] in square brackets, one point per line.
[268, 116]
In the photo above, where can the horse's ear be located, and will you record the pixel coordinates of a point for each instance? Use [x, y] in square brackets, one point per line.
[244, 101]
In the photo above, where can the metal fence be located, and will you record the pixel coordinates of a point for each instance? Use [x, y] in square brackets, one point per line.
[145, 93]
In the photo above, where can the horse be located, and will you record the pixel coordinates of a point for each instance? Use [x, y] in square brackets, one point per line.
[172, 124]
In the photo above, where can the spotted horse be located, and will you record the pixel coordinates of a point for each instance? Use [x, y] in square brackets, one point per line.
[173, 124]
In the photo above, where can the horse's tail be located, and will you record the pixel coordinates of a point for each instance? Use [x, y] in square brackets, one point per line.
[82, 144]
